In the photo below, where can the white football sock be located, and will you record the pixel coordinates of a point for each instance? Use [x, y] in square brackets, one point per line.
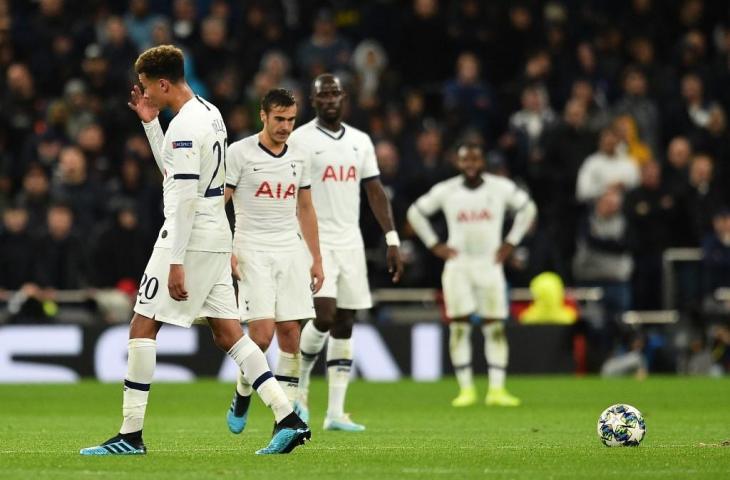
[311, 343]
[141, 360]
[252, 362]
[287, 374]
[460, 350]
[496, 352]
[339, 365]
[243, 388]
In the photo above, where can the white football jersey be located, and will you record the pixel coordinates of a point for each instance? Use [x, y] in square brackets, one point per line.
[340, 161]
[266, 191]
[474, 217]
[194, 149]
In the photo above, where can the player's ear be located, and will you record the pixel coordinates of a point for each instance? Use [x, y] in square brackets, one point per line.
[262, 116]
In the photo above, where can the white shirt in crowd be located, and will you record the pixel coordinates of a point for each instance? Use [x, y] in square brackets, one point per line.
[600, 170]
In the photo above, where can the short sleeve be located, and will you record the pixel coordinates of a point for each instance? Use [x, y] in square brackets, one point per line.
[432, 201]
[234, 165]
[305, 180]
[185, 147]
[370, 161]
[516, 198]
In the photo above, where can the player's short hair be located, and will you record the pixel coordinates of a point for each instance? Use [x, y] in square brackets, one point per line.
[465, 147]
[277, 97]
[164, 61]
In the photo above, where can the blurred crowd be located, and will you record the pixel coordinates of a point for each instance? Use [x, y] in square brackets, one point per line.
[613, 114]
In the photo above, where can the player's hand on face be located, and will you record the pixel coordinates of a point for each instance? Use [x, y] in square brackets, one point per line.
[176, 283]
[142, 106]
[234, 267]
[317, 275]
[443, 251]
[394, 262]
[505, 250]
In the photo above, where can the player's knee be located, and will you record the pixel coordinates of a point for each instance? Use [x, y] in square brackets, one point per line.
[225, 340]
[143, 327]
[342, 328]
[324, 321]
[263, 342]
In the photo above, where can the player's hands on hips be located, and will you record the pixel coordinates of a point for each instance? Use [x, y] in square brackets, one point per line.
[505, 250]
[317, 275]
[142, 106]
[394, 262]
[176, 283]
[443, 251]
[234, 267]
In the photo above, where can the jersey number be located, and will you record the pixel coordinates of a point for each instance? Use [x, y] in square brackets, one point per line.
[148, 287]
[220, 150]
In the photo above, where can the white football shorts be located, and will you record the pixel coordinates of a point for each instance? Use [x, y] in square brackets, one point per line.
[207, 280]
[275, 285]
[474, 287]
[346, 278]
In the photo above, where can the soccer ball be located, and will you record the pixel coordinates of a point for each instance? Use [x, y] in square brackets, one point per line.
[621, 425]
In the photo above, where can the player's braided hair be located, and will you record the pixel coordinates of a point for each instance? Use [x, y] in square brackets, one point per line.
[277, 97]
[164, 61]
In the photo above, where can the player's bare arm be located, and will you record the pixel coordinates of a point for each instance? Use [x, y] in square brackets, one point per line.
[308, 224]
[227, 195]
[504, 252]
[443, 251]
[380, 206]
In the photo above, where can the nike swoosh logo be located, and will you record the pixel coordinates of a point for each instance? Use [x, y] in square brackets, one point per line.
[144, 303]
[317, 153]
[256, 169]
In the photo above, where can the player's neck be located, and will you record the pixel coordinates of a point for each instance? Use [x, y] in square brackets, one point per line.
[473, 182]
[180, 96]
[270, 144]
[335, 126]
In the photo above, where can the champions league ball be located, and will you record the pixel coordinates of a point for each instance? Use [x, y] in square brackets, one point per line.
[621, 425]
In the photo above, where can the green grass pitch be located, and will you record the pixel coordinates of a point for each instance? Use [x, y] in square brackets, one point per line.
[413, 433]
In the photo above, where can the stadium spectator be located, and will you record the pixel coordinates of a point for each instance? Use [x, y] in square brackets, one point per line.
[637, 104]
[603, 257]
[120, 264]
[702, 197]
[35, 197]
[606, 169]
[118, 47]
[423, 32]
[74, 186]
[20, 106]
[61, 261]
[214, 54]
[676, 167]
[716, 256]
[467, 100]
[369, 61]
[651, 211]
[17, 255]
[140, 23]
[325, 50]
[185, 21]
